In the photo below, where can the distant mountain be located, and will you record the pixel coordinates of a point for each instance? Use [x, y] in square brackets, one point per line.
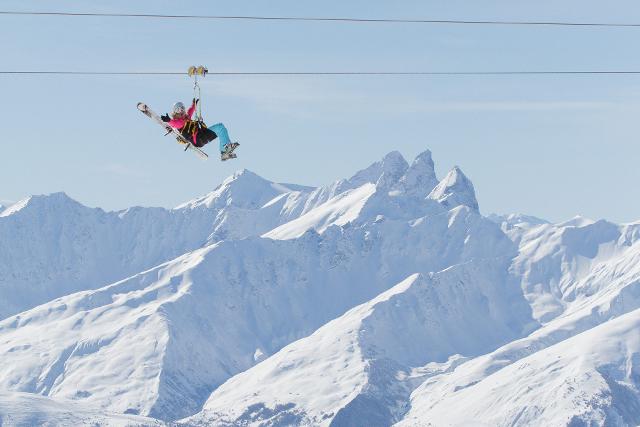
[52, 246]
[384, 298]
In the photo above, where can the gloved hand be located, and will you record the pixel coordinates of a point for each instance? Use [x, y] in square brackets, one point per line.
[165, 118]
[195, 101]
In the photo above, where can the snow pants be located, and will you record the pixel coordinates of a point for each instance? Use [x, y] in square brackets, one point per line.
[222, 133]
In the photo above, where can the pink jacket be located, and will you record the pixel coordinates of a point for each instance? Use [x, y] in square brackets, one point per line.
[179, 123]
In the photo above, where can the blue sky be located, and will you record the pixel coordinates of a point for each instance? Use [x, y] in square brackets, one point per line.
[552, 146]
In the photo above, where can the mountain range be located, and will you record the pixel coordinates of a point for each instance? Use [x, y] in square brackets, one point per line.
[386, 298]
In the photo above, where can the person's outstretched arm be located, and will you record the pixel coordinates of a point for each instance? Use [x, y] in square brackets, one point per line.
[192, 108]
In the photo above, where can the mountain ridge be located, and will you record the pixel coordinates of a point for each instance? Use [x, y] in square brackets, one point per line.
[201, 301]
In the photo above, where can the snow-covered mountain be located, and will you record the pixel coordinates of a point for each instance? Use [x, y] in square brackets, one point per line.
[588, 379]
[364, 365]
[52, 246]
[379, 299]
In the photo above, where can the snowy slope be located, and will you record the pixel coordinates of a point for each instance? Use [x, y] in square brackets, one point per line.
[554, 261]
[237, 299]
[52, 246]
[361, 368]
[334, 360]
[26, 409]
[340, 210]
[413, 295]
[590, 379]
[616, 292]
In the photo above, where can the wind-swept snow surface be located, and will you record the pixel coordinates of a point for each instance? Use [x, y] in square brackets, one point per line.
[27, 409]
[384, 298]
[340, 210]
[361, 368]
[590, 379]
[52, 246]
[232, 299]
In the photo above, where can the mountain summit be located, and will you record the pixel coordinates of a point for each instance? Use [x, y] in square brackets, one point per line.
[244, 189]
[383, 173]
[455, 190]
[420, 178]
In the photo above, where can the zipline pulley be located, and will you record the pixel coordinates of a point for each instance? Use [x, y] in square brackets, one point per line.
[194, 72]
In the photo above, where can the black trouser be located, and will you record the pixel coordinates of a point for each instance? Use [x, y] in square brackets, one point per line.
[203, 137]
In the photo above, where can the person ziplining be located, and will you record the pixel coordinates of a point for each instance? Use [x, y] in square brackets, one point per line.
[192, 131]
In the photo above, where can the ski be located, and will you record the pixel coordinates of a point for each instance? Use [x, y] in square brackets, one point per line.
[144, 109]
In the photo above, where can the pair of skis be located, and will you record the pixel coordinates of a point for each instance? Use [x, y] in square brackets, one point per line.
[228, 154]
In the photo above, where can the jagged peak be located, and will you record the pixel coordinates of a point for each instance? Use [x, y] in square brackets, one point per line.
[394, 157]
[455, 189]
[383, 173]
[454, 178]
[425, 157]
[420, 178]
[394, 162]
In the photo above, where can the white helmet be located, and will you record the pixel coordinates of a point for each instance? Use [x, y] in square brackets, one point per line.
[178, 109]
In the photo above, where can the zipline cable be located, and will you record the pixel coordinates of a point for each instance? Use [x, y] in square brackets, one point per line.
[329, 19]
[325, 73]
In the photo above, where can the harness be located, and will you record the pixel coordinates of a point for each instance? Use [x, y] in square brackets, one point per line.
[192, 127]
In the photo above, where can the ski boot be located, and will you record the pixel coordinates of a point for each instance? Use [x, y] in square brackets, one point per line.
[228, 151]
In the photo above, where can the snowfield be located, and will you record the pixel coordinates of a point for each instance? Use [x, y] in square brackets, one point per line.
[383, 299]
[588, 379]
[27, 409]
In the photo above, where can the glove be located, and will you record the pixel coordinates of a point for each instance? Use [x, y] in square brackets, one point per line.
[195, 101]
[165, 118]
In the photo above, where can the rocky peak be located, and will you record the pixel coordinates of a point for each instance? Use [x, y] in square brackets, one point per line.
[455, 190]
[420, 177]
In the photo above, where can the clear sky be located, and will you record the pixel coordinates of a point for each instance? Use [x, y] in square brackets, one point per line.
[551, 146]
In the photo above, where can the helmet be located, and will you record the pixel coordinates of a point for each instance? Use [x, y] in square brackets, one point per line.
[178, 109]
